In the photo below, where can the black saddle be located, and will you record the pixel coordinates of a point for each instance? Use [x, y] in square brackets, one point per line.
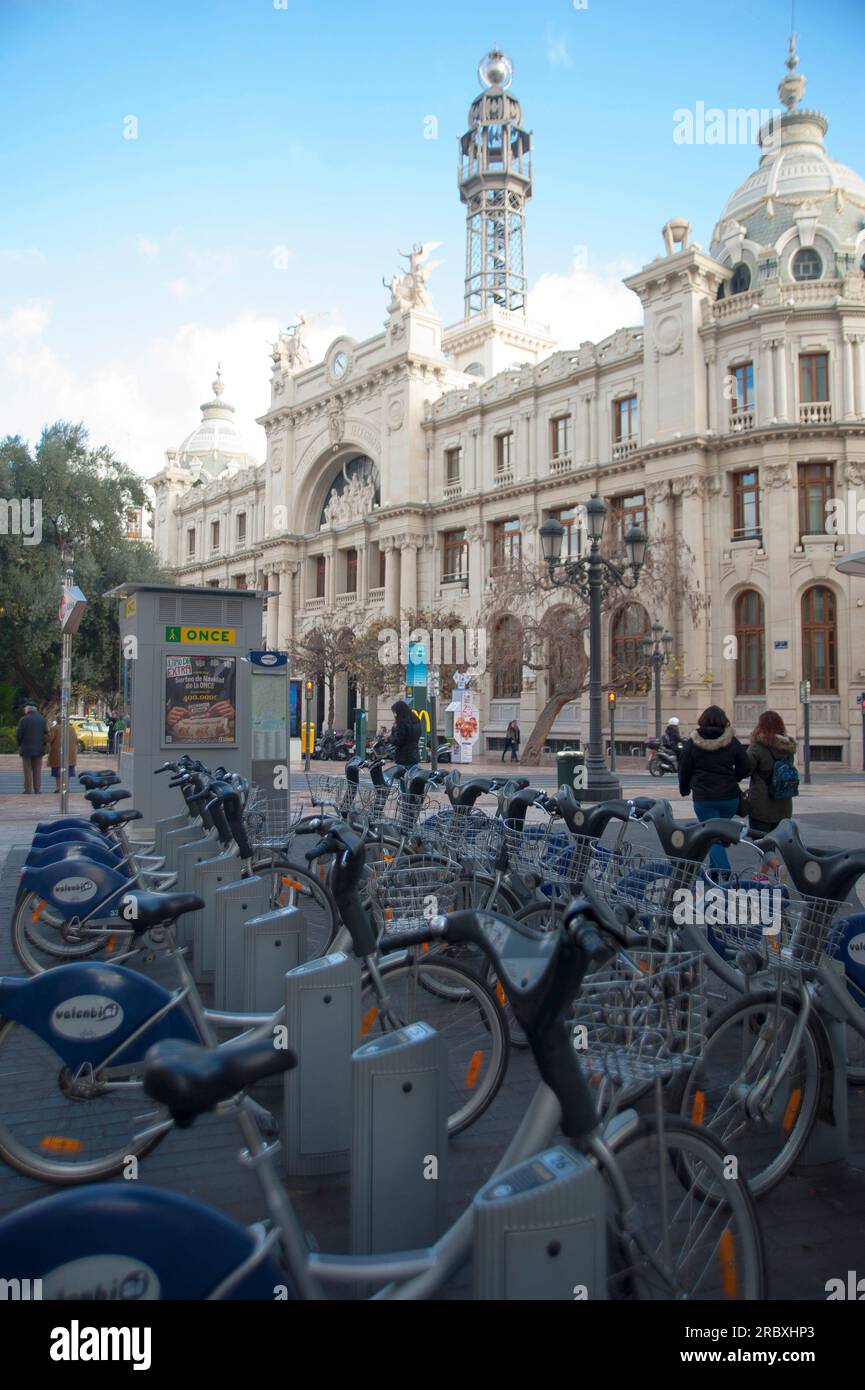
[154, 909]
[100, 797]
[109, 820]
[191, 1079]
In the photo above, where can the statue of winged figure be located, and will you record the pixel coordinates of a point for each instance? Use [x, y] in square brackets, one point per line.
[409, 290]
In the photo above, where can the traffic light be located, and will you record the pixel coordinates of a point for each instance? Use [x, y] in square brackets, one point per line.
[307, 685]
[611, 699]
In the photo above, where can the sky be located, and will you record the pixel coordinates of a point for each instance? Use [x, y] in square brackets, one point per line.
[181, 178]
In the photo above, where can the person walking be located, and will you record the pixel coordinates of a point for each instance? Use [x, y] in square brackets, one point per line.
[30, 736]
[712, 764]
[405, 734]
[774, 779]
[54, 757]
[512, 741]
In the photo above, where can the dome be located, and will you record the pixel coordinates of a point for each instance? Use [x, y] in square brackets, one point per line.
[215, 442]
[798, 198]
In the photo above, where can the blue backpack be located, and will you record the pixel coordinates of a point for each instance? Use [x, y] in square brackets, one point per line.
[784, 781]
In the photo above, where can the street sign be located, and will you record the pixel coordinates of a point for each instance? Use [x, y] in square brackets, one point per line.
[269, 660]
[199, 636]
[433, 683]
[73, 605]
[805, 692]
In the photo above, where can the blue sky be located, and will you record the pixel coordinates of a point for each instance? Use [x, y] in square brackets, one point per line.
[128, 266]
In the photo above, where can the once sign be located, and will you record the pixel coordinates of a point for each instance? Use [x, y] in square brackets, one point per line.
[192, 636]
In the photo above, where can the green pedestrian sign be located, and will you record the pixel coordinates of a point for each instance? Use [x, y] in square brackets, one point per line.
[172, 634]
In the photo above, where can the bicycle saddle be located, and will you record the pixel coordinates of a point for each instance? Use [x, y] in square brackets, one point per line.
[191, 1079]
[694, 841]
[818, 872]
[153, 909]
[98, 780]
[106, 820]
[99, 798]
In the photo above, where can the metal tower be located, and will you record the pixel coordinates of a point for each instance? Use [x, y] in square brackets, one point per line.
[495, 182]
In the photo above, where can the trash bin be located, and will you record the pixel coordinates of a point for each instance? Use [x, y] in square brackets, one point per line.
[568, 762]
[360, 732]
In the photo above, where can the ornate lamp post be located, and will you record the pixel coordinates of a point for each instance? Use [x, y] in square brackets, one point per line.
[593, 577]
[657, 650]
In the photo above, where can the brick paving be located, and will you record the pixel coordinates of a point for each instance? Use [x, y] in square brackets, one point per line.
[814, 1223]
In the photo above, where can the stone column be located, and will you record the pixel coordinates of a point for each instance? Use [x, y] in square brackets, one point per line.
[286, 604]
[765, 384]
[474, 481]
[859, 376]
[363, 574]
[588, 406]
[781, 379]
[525, 450]
[713, 420]
[391, 576]
[408, 575]
[849, 386]
[272, 609]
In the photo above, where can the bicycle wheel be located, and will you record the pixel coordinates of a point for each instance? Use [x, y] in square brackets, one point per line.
[745, 1046]
[293, 886]
[42, 938]
[67, 1129]
[680, 1228]
[457, 1003]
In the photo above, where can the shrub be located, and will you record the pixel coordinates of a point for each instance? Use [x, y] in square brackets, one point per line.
[8, 741]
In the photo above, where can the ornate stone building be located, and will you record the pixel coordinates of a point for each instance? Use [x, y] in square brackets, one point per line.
[403, 469]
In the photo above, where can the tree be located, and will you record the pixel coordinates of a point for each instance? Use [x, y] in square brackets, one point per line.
[322, 652]
[551, 634]
[85, 495]
[379, 654]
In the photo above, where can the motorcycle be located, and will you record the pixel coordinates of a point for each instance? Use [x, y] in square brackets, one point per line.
[661, 760]
[334, 747]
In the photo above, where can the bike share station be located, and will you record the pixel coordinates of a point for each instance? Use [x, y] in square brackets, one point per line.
[199, 685]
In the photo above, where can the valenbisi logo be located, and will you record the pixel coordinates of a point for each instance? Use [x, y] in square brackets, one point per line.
[75, 890]
[86, 1016]
[77, 1343]
[103, 1278]
[856, 947]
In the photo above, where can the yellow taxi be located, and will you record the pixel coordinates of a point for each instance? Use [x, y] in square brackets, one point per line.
[92, 733]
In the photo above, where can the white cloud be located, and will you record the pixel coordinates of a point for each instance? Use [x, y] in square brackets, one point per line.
[21, 255]
[148, 248]
[557, 50]
[149, 401]
[587, 303]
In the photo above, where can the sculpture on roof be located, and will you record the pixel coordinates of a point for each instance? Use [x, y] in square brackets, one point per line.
[409, 290]
[290, 353]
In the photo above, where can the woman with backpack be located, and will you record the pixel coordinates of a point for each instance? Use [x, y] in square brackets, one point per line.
[712, 764]
[774, 779]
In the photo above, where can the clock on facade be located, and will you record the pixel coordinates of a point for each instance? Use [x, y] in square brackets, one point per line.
[339, 365]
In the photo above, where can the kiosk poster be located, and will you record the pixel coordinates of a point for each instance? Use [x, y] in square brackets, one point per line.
[200, 699]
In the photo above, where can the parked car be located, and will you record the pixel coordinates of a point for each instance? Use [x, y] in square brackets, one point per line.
[92, 733]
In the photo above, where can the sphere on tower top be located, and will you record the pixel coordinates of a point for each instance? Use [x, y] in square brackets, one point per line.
[495, 69]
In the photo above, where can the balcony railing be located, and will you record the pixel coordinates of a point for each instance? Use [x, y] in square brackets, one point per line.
[504, 477]
[817, 413]
[376, 595]
[347, 599]
[741, 420]
[561, 463]
[453, 490]
[747, 533]
[315, 605]
[624, 447]
[240, 543]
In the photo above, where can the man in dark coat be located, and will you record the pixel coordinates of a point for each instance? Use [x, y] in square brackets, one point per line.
[30, 734]
[405, 734]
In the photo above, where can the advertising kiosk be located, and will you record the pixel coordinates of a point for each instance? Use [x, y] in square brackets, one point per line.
[188, 688]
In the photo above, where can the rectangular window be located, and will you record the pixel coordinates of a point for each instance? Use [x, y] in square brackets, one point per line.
[351, 571]
[813, 377]
[816, 488]
[214, 537]
[625, 419]
[560, 436]
[507, 544]
[572, 541]
[626, 512]
[240, 581]
[746, 505]
[190, 543]
[240, 532]
[320, 573]
[213, 583]
[504, 453]
[453, 466]
[456, 556]
[382, 568]
[744, 379]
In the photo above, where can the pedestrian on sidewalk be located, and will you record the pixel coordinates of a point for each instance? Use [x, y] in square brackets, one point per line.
[512, 741]
[405, 734]
[774, 779]
[54, 758]
[712, 765]
[30, 735]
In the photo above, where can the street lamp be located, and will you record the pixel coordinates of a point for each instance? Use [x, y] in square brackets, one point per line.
[657, 650]
[593, 577]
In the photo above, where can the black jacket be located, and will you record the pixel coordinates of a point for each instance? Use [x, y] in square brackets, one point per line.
[712, 764]
[765, 808]
[30, 734]
[672, 739]
[405, 737]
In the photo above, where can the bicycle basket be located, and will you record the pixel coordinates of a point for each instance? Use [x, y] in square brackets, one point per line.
[644, 1015]
[411, 894]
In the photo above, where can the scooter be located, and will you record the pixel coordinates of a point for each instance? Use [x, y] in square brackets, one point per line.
[334, 747]
[661, 760]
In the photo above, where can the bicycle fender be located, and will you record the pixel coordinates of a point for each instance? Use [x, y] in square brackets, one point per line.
[77, 887]
[128, 1243]
[83, 1011]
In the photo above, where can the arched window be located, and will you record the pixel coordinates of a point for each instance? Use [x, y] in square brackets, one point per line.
[741, 280]
[750, 626]
[806, 264]
[507, 658]
[566, 651]
[628, 669]
[820, 640]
